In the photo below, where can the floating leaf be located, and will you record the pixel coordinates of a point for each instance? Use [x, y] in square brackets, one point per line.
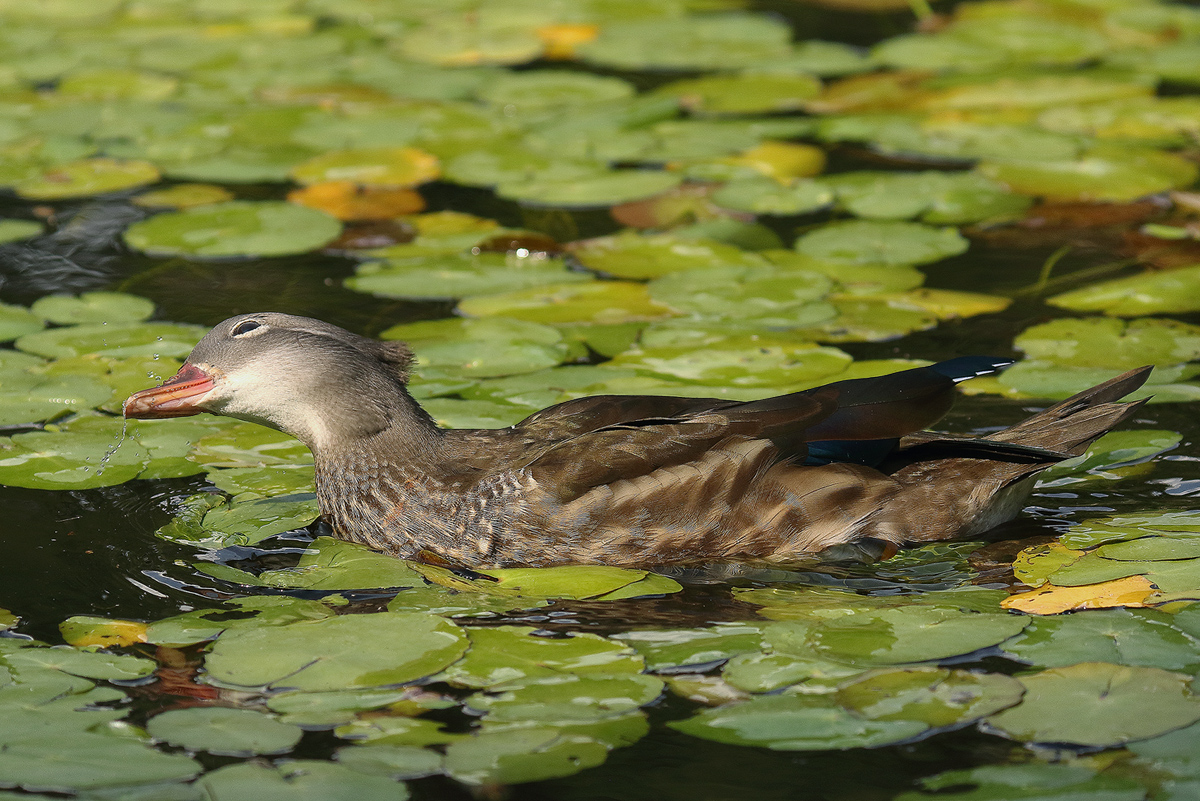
[348, 200]
[240, 228]
[93, 307]
[933, 197]
[228, 732]
[1034, 781]
[87, 177]
[912, 634]
[515, 654]
[1111, 344]
[244, 521]
[249, 445]
[331, 564]
[546, 89]
[1120, 636]
[630, 255]
[601, 189]
[568, 698]
[17, 321]
[89, 664]
[1098, 704]
[715, 41]
[745, 93]
[598, 302]
[482, 348]
[183, 196]
[82, 631]
[1103, 173]
[1166, 292]
[16, 230]
[675, 648]
[350, 650]
[298, 780]
[525, 755]
[768, 196]
[745, 361]
[393, 761]
[69, 459]
[764, 672]
[795, 723]
[870, 242]
[934, 696]
[461, 275]
[370, 166]
[118, 340]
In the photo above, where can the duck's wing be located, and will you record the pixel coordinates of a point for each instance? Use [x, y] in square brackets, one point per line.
[595, 441]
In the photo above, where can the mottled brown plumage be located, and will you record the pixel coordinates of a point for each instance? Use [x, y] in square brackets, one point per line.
[626, 480]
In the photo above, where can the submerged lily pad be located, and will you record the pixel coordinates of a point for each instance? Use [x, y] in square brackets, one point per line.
[239, 228]
[1099, 704]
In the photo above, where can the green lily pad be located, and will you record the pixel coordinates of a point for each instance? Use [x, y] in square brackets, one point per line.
[1165, 292]
[337, 707]
[597, 302]
[1103, 173]
[249, 445]
[745, 361]
[460, 275]
[545, 89]
[118, 340]
[762, 297]
[16, 230]
[632, 255]
[1098, 704]
[7, 619]
[482, 348]
[1121, 636]
[298, 780]
[205, 624]
[872, 242]
[70, 459]
[243, 521]
[396, 730]
[515, 654]
[795, 723]
[913, 634]
[602, 189]
[525, 755]
[1113, 450]
[183, 196]
[934, 696]
[568, 698]
[284, 479]
[330, 564]
[744, 93]
[346, 651]
[1110, 343]
[228, 732]
[578, 582]
[93, 307]
[17, 321]
[29, 397]
[72, 762]
[1030, 781]
[765, 672]
[396, 762]
[88, 664]
[668, 649]
[440, 600]
[86, 177]
[714, 41]
[763, 195]
[1127, 526]
[239, 228]
[932, 197]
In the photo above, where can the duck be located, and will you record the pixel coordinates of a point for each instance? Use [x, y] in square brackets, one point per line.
[628, 480]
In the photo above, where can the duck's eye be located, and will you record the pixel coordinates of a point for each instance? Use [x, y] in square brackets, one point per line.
[245, 327]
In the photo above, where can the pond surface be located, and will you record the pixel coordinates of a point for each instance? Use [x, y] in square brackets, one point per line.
[552, 201]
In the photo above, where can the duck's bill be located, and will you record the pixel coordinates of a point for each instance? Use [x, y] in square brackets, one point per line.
[177, 397]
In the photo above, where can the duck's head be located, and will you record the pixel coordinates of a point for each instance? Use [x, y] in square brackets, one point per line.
[315, 381]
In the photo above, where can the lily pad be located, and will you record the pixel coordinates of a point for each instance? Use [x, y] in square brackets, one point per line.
[1103, 173]
[243, 521]
[249, 445]
[183, 196]
[669, 649]
[70, 459]
[795, 723]
[223, 731]
[1120, 636]
[763, 195]
[1098, 704]
[597, 302]
[298, 780]
[1110, 343]
[745, 361]
[372, 166]
[761, 297]
[630, 255]
[93, 307]
[744, 93]
[482, 348]
[525, 755]
[89, 664]
[17, 321]
[393, 761]
[932, 197]
[568, 698]
[871, 242]
[87, 177]
[16, 230]
[715, 41]
[118, 340]
[347, 651]
[602, 189]
[515, 654]
[913, 634]
[547, 89]
[331, 564]
[1166, 292]
[1034, 781]
[460, 275]
[935, 696]
[239, 228]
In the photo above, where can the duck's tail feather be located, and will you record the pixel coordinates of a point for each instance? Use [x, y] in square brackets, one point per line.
[968, 493]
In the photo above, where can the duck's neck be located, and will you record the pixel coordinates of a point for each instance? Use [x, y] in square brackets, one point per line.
[400, 434]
